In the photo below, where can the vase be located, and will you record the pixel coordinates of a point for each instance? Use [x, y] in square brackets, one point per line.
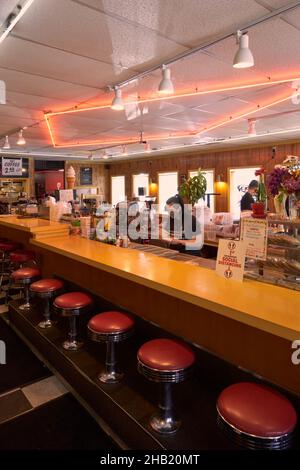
[294, 206]
[258, 210]
[280, 205]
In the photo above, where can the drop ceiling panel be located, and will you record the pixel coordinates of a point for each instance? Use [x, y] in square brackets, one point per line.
[105, 38]
[51, 63]
[190, 26]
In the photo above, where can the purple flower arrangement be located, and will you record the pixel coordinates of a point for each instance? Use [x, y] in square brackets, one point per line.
[282, 181]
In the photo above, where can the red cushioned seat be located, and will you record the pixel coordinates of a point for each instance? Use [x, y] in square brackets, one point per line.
[8, 246]
[46, 285]
[166, 354]
[257, 410]
[111, 322]
[73, 300]
[22, 256]
[25, 273]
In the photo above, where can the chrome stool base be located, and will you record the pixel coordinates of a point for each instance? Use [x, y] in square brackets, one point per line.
[72, 345]
[112, 377]
[26, 306]
[45, 324]
[164, 425]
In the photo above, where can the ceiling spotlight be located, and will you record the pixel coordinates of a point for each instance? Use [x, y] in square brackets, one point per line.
[21, 140]
[243, 57]
[147, 147]
[2, 92]
[13, 18]
[6, 145]
[166, 86]
[251, 127]
[117, 103]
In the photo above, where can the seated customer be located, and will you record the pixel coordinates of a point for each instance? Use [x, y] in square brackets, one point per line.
[182, 230]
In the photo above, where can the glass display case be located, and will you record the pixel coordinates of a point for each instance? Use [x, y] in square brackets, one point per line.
[282, 266]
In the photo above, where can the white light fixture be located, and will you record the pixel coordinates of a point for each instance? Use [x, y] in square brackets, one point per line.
[243, 57]
[6, 145]
[117, 103]
[166, 86]
[147, 148]
[124, 151]
[251, 127]
[14, 18]
[2, 92]
[21, 140]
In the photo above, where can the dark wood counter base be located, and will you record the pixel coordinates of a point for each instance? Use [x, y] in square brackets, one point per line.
[126, 407]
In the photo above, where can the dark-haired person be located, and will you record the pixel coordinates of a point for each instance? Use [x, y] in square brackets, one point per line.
[248, 199]
[184, 229]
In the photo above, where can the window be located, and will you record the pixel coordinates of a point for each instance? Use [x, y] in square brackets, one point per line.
[140, 185]
[167, 187]
[209, 175]
[239, 180]
[117, 189]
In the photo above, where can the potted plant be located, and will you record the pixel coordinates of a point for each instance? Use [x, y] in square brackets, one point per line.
[193, 188]
[258, 207]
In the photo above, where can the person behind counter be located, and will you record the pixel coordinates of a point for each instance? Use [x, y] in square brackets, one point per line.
[248, 199]
[184, 228]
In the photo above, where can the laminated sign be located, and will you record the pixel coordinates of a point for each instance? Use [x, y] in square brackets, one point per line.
[231, 259]
[11, 166]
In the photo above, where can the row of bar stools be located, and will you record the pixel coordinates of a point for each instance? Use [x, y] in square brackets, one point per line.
[71, 305]
[46, 289]
[6, 247]
[25, 276]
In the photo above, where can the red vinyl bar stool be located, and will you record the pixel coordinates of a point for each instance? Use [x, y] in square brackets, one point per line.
[46, 289]
[110, 328]
[166, 361]
[6, 246]
[72, 305]
[20, 257]
[256, 416]
[25, 276]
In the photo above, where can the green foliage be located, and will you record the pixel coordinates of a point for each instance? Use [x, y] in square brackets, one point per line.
[261, 192]
[194, 188]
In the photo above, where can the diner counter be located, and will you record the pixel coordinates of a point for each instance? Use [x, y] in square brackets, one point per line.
[36, 227]
[266, 307]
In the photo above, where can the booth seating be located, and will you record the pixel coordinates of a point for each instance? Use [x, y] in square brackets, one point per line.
[46, 289]
[25, 276]
[165, 361]
[72, 305]
[256, 416]
[110, 328]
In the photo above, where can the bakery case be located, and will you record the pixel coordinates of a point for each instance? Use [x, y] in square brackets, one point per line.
[282, 266]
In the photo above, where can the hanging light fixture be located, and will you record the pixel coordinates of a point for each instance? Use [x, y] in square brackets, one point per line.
[251, 127]
[243, 57]
[147, 147]
[124, 151]
[166, 86]
[6, 145]
[21, 140]
[117, 103]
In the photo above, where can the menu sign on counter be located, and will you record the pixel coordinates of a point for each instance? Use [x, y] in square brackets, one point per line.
[254, 235]
[231, 259]
[12, 166]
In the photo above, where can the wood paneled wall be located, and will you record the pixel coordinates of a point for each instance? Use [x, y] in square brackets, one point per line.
[101, 178]
[220, 161]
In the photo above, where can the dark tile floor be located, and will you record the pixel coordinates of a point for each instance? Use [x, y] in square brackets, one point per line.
[60, 423]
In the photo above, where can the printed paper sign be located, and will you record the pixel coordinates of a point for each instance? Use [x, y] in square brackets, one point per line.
[66, 195]
[231, 259]
[11, 166]
[254, 235]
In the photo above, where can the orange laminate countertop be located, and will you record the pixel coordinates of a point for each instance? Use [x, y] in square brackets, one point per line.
[34, 225]
[263, 306]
